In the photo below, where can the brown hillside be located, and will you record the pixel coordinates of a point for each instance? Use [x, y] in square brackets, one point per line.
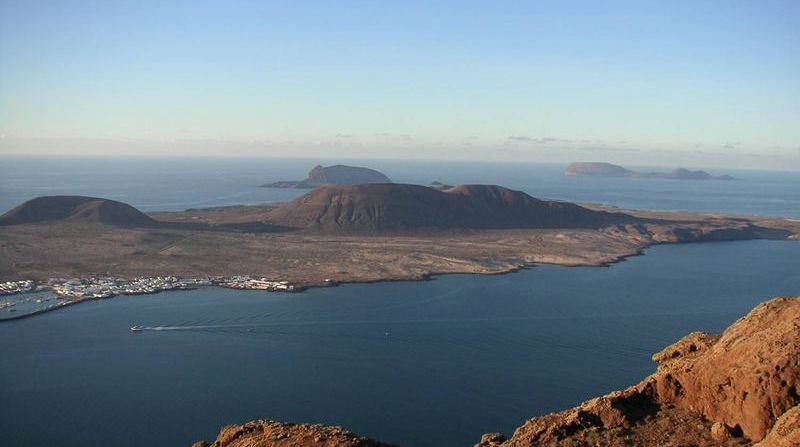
[76, 209]
[399, 207]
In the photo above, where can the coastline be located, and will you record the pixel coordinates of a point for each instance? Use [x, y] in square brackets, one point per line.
[194, 282]
[123, 287]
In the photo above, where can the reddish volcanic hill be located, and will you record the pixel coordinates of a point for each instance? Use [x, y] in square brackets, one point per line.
[400, 207]
[732, 389]
[76, 209]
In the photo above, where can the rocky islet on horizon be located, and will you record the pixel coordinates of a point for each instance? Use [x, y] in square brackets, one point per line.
[602, 169]
[336, 174]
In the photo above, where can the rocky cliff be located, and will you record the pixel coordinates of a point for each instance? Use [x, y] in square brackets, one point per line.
[728, 389]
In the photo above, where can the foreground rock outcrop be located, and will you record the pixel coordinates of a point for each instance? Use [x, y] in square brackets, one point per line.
[728, 389]
[785, 432]
[278, 434]
[740, 388]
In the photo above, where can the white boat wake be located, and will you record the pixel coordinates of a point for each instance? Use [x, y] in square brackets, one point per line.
[190, 328]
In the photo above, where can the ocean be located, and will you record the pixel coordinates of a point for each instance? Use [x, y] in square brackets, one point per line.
[170, 184]
[413, 363]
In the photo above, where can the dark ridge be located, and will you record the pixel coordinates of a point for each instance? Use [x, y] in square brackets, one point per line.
[76, 209]
[597, 169]
[601, 169]
[684, 174]
[378, 208]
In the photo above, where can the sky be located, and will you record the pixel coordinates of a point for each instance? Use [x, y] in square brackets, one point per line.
[678, 83]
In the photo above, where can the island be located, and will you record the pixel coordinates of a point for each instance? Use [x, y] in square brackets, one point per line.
[91, 248]
[439, 185]
[337, 174]
[601, 169]
[737, 388]
[597, 169]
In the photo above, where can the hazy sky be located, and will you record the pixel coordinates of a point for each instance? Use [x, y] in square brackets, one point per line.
[697, 83]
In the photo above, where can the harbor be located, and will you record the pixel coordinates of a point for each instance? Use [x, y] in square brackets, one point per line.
[26, 298]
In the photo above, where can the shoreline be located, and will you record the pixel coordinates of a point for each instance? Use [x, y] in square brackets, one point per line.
[302, 287]
[86, 261]
[85, 289]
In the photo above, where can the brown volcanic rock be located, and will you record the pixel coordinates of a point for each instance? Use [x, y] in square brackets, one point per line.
[747, 378]
[276, 434]
[785, 432]
[708, 390]
[378, 208]
[76, 209]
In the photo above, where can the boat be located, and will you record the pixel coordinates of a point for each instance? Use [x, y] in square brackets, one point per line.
[136, 328]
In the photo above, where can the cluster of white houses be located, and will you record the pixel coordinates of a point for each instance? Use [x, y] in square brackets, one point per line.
[108, 286]
[105, 287]
[12, 287]
[247, 282]
[74, 290]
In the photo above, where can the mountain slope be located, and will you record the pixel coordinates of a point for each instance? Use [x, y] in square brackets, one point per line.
[76, 209]
[399, 207]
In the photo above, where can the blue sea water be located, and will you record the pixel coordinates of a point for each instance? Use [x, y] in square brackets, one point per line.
[157, 184]
[432, 363]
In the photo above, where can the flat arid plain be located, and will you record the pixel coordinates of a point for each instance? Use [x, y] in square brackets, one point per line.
[212, 242]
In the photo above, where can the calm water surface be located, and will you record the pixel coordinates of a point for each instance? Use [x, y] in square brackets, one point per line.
[419, 364]
[157, 184]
